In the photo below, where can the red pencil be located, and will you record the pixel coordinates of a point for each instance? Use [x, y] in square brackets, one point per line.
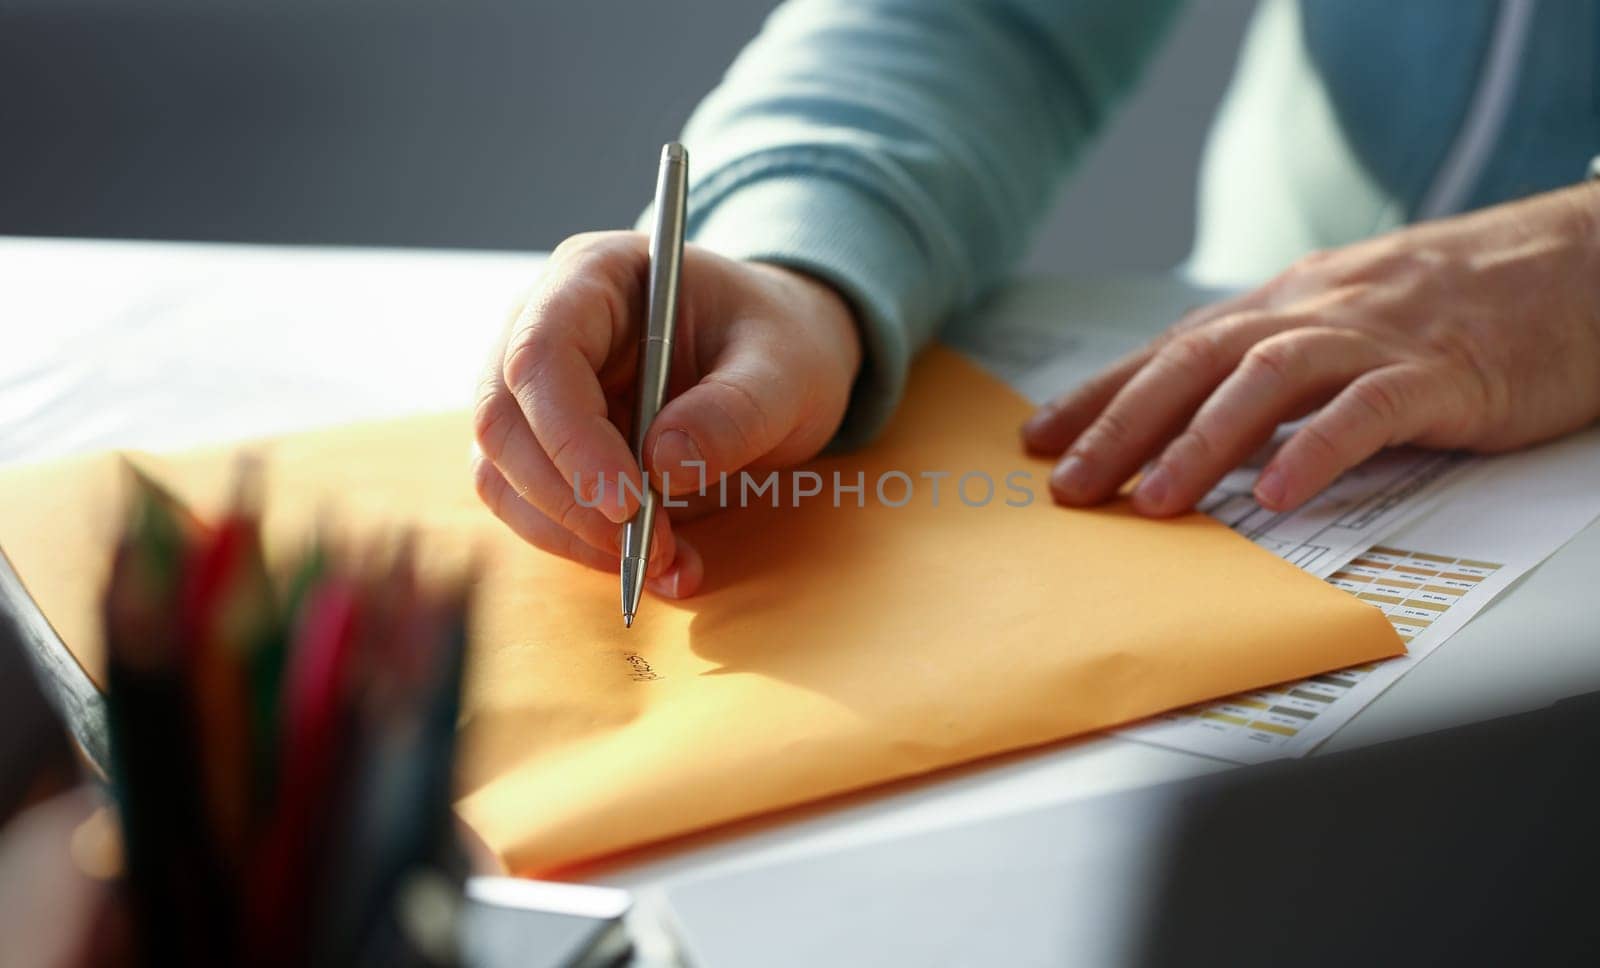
[314, 684]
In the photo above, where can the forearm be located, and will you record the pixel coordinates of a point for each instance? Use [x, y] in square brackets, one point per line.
[904, 151]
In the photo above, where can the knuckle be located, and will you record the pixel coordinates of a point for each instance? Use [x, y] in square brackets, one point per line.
[524, 361]
[587, 307]
[607, 256]
[1479, 368]
[1483, 404]
[1276, 359]
[1195, 351]
[570, 515]
[576, 245]
[486, 481]
[1196, 444]
[1243, 328]
[1311, 262]
[1317, 440]
[743, 414]
[1379, 398]
[586, 271]
[565, 293]
[562, 446]
[1110, 432]
[1392, 257]
[493, 419]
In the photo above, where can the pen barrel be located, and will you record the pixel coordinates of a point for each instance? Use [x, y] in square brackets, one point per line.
[655, 357]
[666, 258]
[636, 530]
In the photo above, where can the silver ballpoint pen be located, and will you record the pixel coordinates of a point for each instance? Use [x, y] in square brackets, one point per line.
[655, 358]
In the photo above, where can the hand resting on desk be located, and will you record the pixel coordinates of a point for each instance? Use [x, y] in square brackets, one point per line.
[1479, 332]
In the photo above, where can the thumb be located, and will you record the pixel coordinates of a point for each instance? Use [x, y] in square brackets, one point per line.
[740, 412]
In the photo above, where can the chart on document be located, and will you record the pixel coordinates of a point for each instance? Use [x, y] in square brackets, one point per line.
[1416, 590]
[1428, 578]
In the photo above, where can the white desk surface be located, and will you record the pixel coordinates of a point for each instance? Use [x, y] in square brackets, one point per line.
[162, 346]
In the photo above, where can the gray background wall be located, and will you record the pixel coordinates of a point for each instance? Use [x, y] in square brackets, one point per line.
[480, 123]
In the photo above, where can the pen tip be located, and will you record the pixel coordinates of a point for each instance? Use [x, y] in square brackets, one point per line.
[627, 621]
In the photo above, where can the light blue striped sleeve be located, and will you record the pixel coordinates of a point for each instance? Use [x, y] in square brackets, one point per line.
[904, 150]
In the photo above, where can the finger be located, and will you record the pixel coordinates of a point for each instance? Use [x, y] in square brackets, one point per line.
[534, 527]
[1054, 426]
[1389, 406]
[745, 408]
[684, 577]
[1155, 403]
[556, 352]
[529, 524]
[1273, 381]
[504, 438]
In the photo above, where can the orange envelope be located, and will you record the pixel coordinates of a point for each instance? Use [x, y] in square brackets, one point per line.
[835, 648]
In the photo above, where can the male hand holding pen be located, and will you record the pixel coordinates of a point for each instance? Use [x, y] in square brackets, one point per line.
[761, 368]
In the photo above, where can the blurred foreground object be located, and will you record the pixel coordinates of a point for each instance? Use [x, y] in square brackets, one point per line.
[282, 751]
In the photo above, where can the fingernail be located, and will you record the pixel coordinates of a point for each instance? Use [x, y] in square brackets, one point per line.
[1153, 488]
[1270, 487]
[658, 563]
[684, 575]
[1071, 478]
[673, 449]
[667, 585]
